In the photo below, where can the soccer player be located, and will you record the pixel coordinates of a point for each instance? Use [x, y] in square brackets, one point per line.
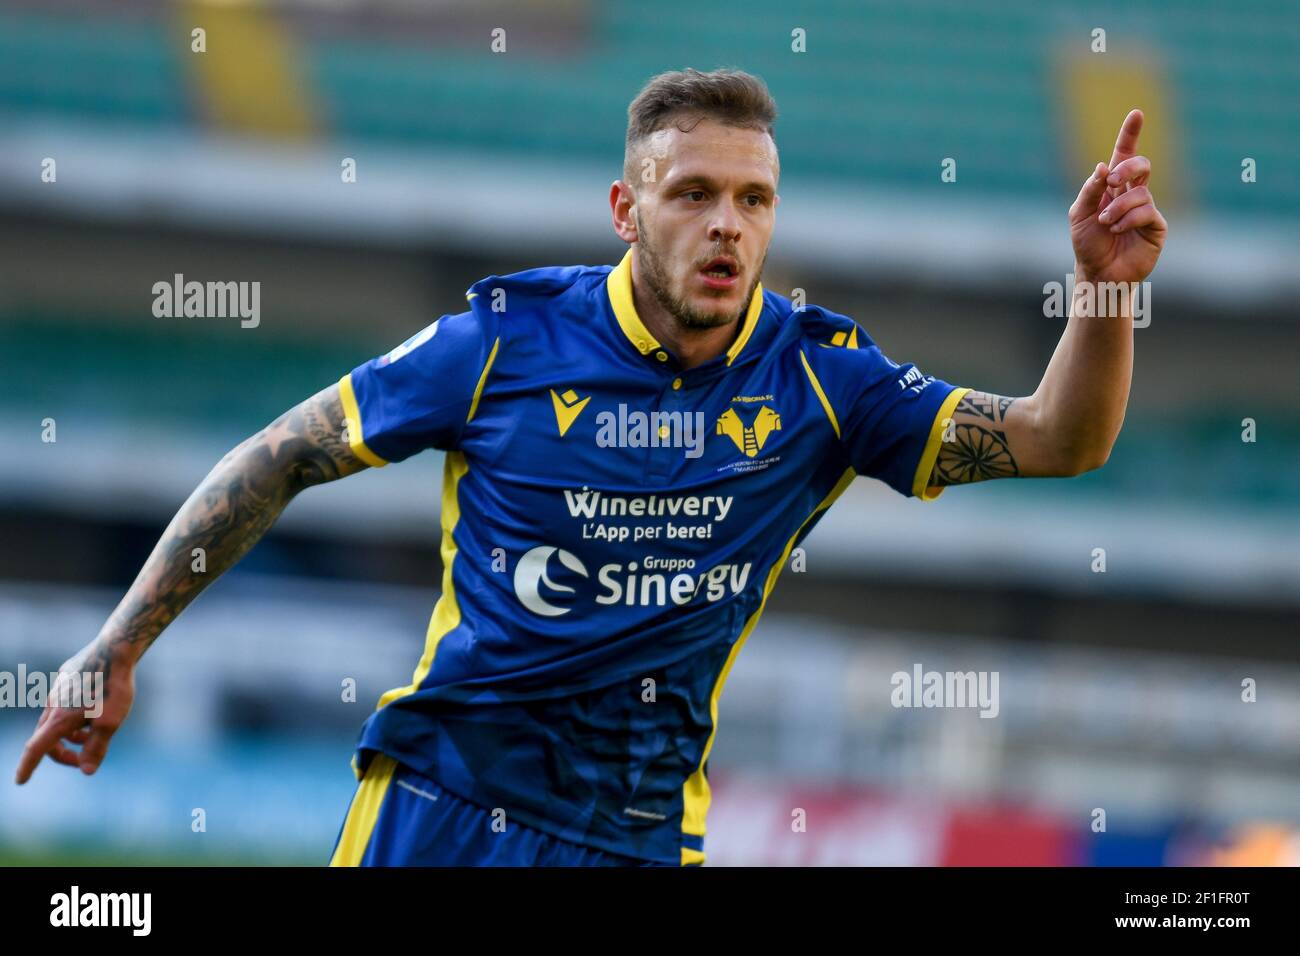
[631, 454]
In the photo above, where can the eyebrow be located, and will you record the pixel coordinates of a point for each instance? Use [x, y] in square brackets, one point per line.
[703, 179]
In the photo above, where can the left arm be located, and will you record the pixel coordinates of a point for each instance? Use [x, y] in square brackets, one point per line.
[1070, 423]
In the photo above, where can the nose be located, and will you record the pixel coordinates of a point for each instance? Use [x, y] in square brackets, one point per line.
[725, 225]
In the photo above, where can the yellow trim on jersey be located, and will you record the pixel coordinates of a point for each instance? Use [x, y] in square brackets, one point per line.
[352, 419]
[928, 457]
[751, 321]
[482, 380]
[696, 795]
[446, 613]
[619, 286]
[821, 395]
[842, 340]
[363, 813]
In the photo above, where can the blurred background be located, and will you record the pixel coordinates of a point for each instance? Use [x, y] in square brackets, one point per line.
[367, 160]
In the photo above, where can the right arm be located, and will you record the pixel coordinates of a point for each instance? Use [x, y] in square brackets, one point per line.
[225, 516]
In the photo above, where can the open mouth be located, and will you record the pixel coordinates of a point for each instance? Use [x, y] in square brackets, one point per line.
[722, 269]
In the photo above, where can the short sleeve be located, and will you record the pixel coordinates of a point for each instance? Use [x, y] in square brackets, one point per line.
[420, 394]
[895, 422]
[892, 415]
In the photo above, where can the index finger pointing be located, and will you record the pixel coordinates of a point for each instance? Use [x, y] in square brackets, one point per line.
[42, 741]
[1127, 141]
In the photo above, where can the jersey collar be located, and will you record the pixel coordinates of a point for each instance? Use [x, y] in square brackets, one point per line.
[619, 285]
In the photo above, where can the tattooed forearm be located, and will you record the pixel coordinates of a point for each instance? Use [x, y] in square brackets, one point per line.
[226, 515]
[974, 446]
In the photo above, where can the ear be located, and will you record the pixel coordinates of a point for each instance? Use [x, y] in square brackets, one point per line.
[621, 203]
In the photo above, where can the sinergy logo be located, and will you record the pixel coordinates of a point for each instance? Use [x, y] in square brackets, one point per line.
[653, 582]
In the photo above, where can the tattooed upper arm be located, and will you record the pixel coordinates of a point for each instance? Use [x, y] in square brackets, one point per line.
[975, 445]
[992, 436]
[229, 512]
[308, 441]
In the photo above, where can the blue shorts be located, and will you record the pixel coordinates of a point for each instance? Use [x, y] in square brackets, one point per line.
[401, 818]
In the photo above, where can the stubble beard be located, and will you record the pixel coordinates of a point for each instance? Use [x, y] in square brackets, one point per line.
[688, 317]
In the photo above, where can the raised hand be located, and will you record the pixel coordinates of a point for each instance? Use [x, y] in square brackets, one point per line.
[1115, 227]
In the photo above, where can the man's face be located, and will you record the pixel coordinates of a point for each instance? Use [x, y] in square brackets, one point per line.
[705, 221]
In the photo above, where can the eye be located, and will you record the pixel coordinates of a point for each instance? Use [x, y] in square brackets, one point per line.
[758, 200]
[694, 192]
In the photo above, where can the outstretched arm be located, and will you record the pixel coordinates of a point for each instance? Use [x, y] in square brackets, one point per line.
[225, 516]
[1070, 423]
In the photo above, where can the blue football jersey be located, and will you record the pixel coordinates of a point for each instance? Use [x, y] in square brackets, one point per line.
[612, 525]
